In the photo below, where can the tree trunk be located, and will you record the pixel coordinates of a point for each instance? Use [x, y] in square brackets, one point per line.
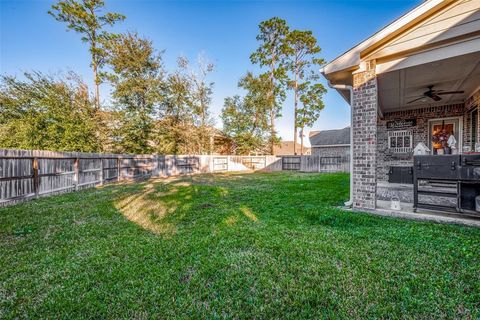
[203, 135]
[295, 129]
[97, 86]
[272, 132]
[295, 94]
[272, 107]
[301, 141]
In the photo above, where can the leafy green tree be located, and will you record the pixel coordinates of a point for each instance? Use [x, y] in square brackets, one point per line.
[85, 17]
[174, 132]
[47, 113]
[138, 82]
[271, 54]
[245, 120]
[238, 123]
[301, 49]
[312, 105]
[201, 99]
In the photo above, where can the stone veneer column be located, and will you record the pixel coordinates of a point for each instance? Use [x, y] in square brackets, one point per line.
[364, 128]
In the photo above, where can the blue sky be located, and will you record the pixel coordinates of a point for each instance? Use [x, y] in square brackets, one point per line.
[224, 31]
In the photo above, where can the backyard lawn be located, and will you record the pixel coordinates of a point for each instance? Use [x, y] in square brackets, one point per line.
[263, 245]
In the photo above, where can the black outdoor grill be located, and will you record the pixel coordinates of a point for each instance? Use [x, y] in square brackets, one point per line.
[447, 176]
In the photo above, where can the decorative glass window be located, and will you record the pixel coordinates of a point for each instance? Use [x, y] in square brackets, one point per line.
[400, 141]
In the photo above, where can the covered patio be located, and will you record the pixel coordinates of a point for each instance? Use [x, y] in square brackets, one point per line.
[417, 81]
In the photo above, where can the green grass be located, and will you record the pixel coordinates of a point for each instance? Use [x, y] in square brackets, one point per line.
[230, 246]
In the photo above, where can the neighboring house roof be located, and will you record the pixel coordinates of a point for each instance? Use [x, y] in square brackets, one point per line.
[339, 137]
[286, 148]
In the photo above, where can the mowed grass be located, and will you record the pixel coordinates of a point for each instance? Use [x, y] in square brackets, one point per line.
[230, 246]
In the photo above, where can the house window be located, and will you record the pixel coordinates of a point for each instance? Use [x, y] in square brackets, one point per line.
[400, 141]
[474, 127]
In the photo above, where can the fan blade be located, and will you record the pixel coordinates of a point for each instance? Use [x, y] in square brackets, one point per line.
[450, 92]
[416, 100]
[435, 97]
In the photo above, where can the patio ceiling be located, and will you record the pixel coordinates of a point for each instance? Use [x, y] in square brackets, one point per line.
[398, 87]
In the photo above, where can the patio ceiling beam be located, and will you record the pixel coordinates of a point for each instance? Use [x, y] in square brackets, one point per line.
[461, 82]
[450, 51]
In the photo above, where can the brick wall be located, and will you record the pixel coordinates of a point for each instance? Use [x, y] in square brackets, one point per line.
[364, 128]
[331, 151]
[371, 156]
[386, 158]
[472, 103]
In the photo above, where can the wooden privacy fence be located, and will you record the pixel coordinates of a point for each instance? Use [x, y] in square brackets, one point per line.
[291, 163]
[30, 174]
[316, 163]
[27, 174]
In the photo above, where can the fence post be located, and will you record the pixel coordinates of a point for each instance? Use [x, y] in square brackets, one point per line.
[101, 170]
[36, 177]
[75, 175]
[154, 167]
[118, 167]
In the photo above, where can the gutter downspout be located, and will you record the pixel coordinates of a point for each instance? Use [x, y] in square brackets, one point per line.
[349, 203]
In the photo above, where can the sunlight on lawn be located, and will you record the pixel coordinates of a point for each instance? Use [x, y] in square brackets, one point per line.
[231, 221]
[160, 203]
[236, 218]
[147, 210]
[249, 214]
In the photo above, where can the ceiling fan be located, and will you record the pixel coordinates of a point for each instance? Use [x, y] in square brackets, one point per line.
[435, 94]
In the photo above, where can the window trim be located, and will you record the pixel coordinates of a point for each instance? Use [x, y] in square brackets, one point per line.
[400, 133]
[460, 131]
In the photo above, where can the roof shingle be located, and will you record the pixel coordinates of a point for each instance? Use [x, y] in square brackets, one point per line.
[330, 137]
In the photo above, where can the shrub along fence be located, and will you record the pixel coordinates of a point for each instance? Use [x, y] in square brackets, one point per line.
[28, 174]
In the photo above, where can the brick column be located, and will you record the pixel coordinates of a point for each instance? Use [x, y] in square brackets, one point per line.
[364, 128]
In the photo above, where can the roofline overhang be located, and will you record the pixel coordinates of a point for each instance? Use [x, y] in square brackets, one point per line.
[352, 59]
[330, 145]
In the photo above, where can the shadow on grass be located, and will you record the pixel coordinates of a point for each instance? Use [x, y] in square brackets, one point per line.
[162, 206]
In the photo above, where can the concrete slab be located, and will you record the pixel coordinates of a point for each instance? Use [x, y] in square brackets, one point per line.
[383, 209]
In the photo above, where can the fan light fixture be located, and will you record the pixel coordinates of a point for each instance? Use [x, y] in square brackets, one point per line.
[434, 94]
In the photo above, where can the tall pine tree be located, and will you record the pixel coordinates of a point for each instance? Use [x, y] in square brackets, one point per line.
[85, 17]
[271, 54]
[302, 49]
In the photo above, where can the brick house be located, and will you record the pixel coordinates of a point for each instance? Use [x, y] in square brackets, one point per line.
[417, 75]
[330, 143]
